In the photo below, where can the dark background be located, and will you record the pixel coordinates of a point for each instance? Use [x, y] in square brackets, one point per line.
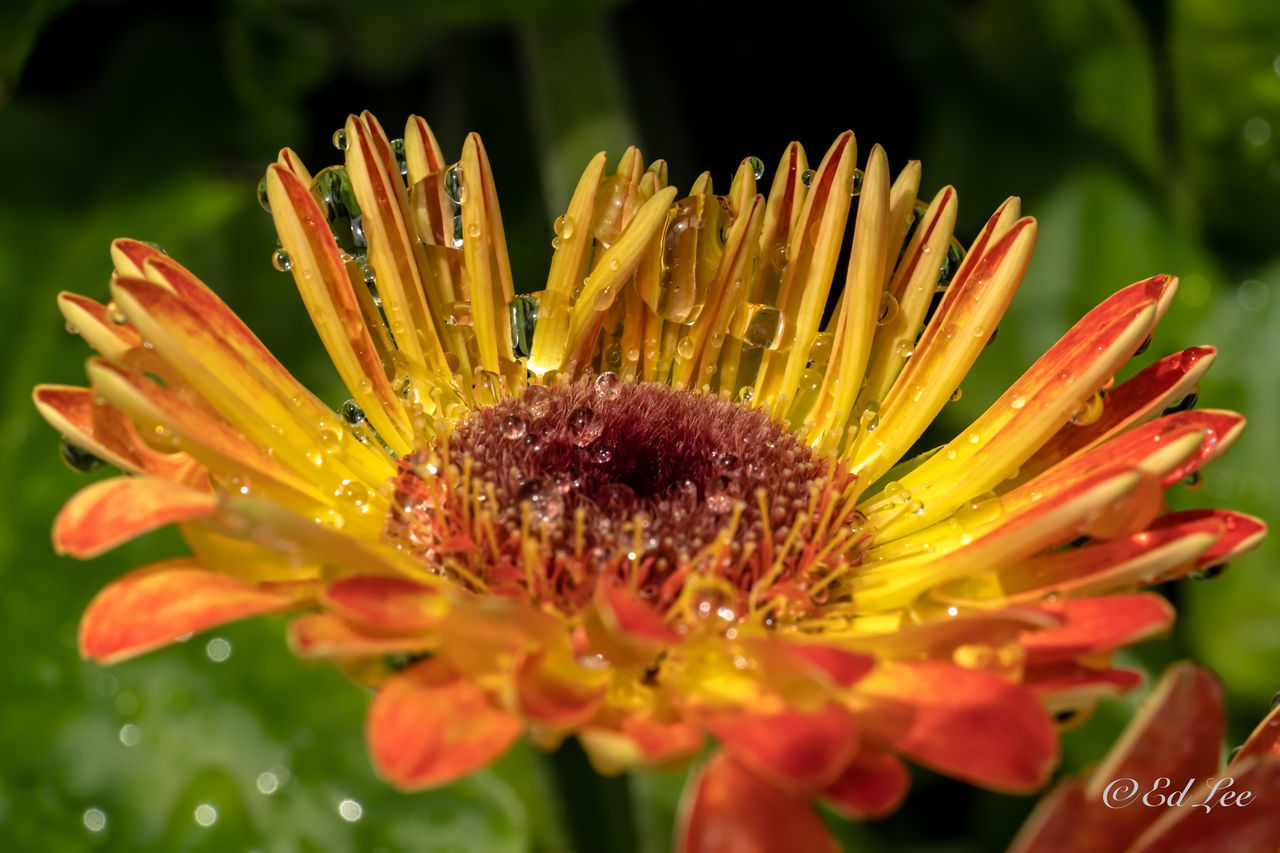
[1145, 137]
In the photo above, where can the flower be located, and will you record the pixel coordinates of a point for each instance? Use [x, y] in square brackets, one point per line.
[1172, 748]
[661, 498]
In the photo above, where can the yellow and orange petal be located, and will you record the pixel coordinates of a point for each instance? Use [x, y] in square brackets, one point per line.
[663, 499]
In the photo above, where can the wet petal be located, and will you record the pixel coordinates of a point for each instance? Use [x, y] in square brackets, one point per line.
[110, 512]
[554, 690]
[1264, 741]
[152, 606]
[1253, 825]
[429, 726]
[728, 809]
[386, 604]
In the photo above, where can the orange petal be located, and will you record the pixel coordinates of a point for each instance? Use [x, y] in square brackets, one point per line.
[150, 607]
[874, 785]
[323, 635]
[1130, 404]
[429, 726]
[554, 690]
[624, 629]
[109, 512]
[969, 724]
[386, 604]
[92, 321]
[728, 809]
[1061, 823]
[1265, 739]
[801, 752]
[482, 635]
[1097, 624]
[1068, 686]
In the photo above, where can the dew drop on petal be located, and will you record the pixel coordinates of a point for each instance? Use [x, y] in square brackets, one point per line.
[340, 140]
[1017, 402]
[757, 166]
[806, 177]
[564, 227]
[955, 395]
[537, 399]
[281, 261]
[685, 348]
[720, 497]
[601, 454]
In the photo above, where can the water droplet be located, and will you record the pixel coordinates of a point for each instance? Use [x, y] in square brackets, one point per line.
[888, 308]
[116, 314]
[806, 177]
[1211, 572]
[585, 426]
[538, 400]
[870, 417]
[616, 497]
[352, 413]
[757, 166]
[720, 494]
[453, 184]
[95, 820]
[206, 815]
[685, 348]
[350, 810]
[340, 140]
[564, 227]
[973, 438]
[514, 426]
[955, 395]
[903, 349]
[1192, 480]
[1017, 402]
[262, 194]
[281, 261]
[855, 182]
[218, 649]
[745, 393]
[473, 230]
[77, 457]
[1090, 411]
[607, 384]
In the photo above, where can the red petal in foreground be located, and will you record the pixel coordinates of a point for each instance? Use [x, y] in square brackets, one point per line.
[386, 604]
[1265, 739]
[152, 606]
[1222, 825]
[874, 785]
[728, 809]
[429, 726]
[797, 751]
[967, 723]
[323, 635]
[110, 512]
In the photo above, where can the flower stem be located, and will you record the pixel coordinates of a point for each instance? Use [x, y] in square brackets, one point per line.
[597, 809]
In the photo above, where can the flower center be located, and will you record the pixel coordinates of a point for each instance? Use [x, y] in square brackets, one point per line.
[636, 481]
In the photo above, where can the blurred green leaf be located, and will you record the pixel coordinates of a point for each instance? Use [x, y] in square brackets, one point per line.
[20, 23]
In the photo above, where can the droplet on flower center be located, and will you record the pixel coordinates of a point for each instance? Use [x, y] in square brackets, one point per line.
[631, 480]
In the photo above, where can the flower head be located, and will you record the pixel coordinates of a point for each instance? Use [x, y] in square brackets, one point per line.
[661, 498]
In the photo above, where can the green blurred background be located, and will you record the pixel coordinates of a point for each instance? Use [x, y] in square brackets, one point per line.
[1144, 136]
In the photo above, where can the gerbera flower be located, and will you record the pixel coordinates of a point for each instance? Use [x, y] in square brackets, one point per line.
[661, 498]
[1164, 785]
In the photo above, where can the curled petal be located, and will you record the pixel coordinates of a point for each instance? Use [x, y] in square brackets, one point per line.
[728, 809]
[110, 512]
[429, 726]
[152, 606]
[1265, 739]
